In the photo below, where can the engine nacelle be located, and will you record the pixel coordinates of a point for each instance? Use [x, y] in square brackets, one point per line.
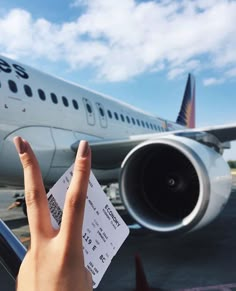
[174, 184]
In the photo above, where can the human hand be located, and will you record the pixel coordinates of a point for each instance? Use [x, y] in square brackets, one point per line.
[55, 260]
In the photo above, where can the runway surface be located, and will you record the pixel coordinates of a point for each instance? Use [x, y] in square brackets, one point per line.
[204, 260]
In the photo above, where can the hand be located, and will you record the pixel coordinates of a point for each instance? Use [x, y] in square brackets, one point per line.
[55, 260]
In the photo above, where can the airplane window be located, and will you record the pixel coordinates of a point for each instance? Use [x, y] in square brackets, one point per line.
[75, 104]
[155, 127]
[116, 116]
[138, 122]
[151, 126]
[143, 124]
[12, 86]
[89, 108]
[109, 113]
[133, 120]
[28, 91]
[101, 111]
[127, 118]
[54, 98]
[42, 95]
[65, 101]
[147, 125]
[122, 117]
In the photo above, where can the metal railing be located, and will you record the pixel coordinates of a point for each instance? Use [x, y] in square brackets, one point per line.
[12, 251]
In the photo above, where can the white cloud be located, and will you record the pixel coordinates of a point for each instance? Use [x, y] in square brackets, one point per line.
[212, 81]
[184, 68]
[231, 72]
[124, 38]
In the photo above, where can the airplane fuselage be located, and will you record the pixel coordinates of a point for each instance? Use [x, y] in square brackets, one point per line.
[52, 114]
[172, 177]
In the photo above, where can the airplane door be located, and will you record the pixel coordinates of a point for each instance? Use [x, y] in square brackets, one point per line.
[165, 125]
[89, 111]
[17, 108]
[102, 115]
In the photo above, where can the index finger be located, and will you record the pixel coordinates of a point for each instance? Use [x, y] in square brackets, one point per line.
[35, 196]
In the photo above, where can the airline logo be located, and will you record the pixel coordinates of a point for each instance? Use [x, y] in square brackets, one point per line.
[9, 68]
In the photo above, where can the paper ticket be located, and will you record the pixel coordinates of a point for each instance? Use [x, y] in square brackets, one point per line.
[104, 230]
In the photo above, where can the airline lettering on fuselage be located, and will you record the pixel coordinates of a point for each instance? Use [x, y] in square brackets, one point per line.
[7, 68]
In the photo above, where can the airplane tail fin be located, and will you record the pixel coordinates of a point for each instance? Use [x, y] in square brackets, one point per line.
[186, 115]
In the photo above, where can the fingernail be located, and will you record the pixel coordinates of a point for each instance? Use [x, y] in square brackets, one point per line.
[83, 149]
[20, 145]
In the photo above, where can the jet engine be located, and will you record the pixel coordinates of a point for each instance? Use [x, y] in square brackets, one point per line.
[174, 184]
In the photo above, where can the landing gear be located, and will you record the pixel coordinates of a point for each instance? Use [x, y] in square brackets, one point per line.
[112, 191]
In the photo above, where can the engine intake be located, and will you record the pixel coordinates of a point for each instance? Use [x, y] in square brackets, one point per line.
[166, 184]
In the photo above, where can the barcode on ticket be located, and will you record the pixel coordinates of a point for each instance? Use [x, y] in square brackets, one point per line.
[55, 209]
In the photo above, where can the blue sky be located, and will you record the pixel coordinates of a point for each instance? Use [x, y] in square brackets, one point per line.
[137, 51]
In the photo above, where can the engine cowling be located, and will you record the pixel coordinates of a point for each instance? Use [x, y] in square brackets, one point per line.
[174, 184]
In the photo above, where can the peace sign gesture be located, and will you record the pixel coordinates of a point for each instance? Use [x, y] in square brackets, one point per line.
[55, 259]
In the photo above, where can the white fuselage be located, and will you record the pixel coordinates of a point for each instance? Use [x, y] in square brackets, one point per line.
[52, 114]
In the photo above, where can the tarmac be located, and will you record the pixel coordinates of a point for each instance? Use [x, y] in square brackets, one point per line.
[200, 261]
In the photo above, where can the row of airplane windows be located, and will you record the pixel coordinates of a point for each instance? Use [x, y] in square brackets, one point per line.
[28, 91]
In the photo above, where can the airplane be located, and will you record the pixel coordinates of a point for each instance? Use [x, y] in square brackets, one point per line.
[172, 177]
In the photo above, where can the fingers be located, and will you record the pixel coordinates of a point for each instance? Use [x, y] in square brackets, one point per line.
[35, 196]
[89, 279]
[72, 220]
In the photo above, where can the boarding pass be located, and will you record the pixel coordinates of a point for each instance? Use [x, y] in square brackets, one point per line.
[104, 231]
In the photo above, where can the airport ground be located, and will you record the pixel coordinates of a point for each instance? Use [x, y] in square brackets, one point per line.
[203, 260]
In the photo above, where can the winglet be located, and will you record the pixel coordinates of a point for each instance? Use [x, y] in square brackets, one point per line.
[186, 115]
